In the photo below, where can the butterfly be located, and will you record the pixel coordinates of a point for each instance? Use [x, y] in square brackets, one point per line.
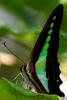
[42, 71]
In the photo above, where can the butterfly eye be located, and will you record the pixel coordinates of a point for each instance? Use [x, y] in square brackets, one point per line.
[22, 68]
[50, 32]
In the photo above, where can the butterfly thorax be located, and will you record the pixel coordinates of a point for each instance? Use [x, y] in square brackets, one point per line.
[28, 78]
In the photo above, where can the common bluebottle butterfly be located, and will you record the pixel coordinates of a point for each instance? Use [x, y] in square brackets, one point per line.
[42, 71]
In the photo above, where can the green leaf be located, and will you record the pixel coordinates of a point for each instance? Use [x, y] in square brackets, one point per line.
[9, 91]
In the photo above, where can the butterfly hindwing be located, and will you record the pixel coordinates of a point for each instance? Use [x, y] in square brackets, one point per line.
[44, 55]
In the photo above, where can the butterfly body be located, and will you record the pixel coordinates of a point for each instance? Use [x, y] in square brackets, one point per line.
[42, 69]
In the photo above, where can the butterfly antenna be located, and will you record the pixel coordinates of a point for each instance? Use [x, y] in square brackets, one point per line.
[13, 53]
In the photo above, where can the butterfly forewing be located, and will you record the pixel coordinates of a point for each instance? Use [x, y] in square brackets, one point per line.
[44, 62]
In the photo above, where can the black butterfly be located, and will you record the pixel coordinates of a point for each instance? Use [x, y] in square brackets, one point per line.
[43, 61]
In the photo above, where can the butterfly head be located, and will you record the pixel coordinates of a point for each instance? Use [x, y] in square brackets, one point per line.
[22, 68]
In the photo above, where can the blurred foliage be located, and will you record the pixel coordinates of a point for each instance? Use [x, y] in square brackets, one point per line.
[31, 11]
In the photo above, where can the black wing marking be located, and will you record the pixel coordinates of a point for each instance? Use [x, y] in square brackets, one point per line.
[52, 64]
